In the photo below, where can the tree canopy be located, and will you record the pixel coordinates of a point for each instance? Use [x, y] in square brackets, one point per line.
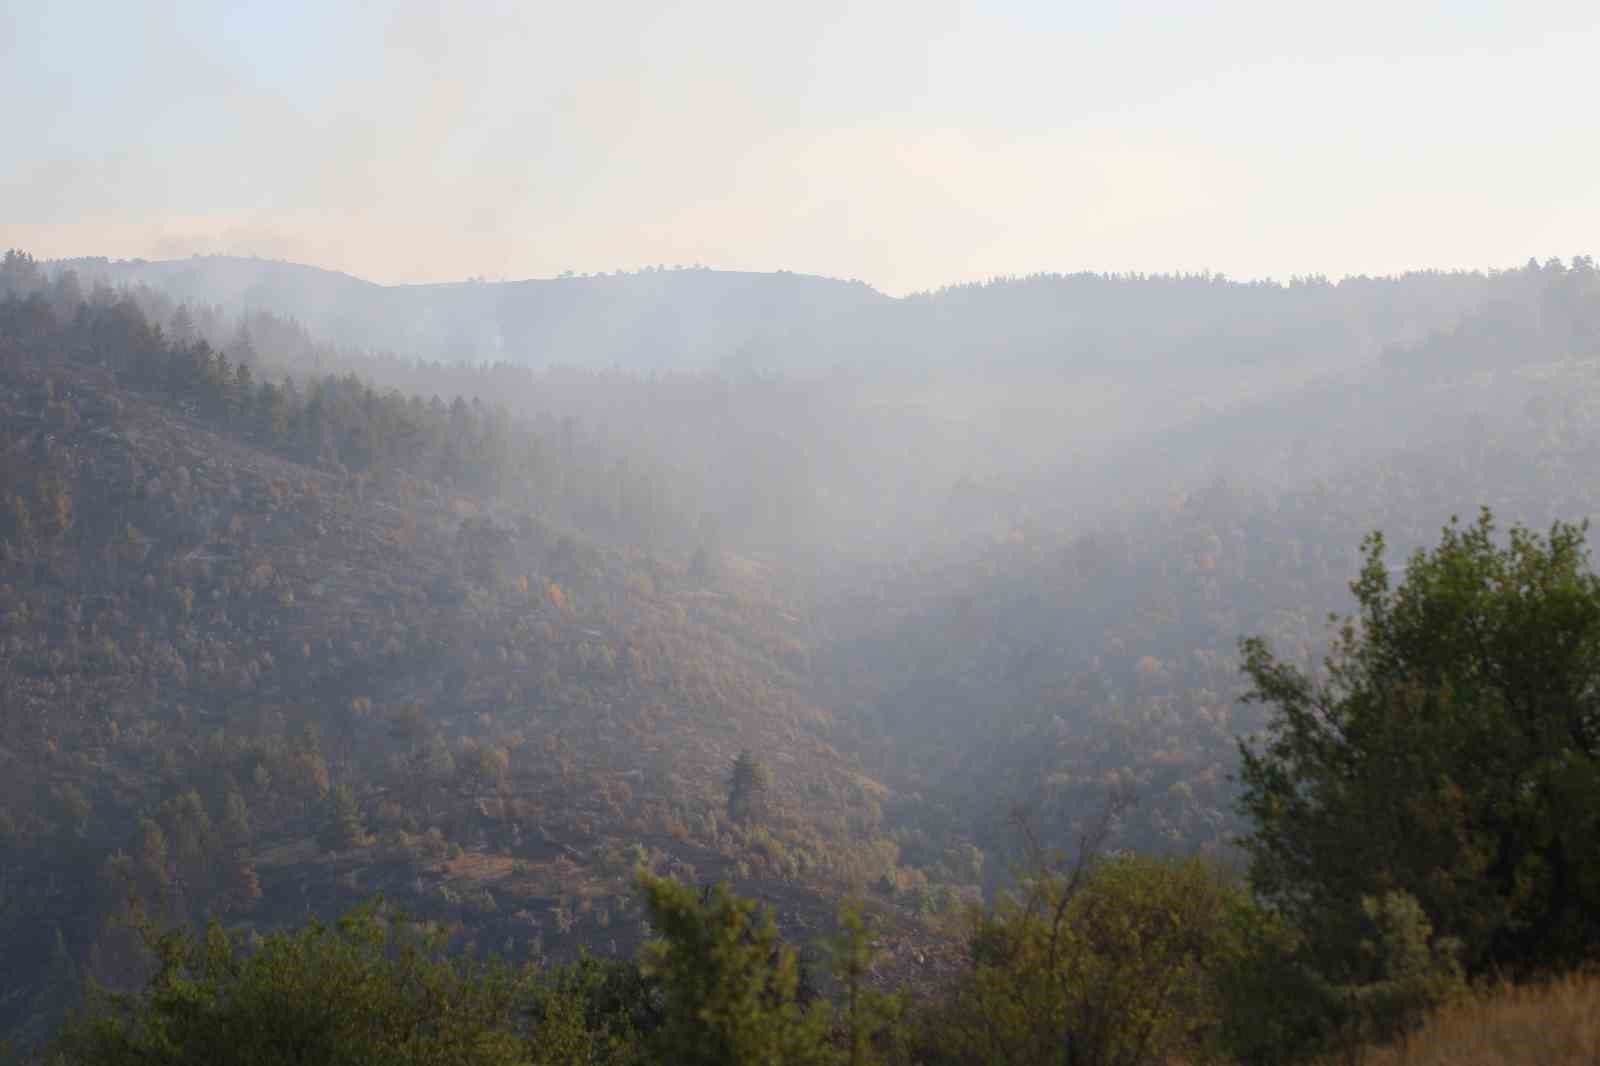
[363, 991]
[732, 987]
[1450, 751]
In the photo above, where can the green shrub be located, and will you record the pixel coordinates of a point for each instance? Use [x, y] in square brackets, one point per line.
[359, 993]
[1119, 965]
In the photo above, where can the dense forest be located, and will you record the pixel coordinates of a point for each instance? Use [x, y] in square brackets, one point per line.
[933, 605]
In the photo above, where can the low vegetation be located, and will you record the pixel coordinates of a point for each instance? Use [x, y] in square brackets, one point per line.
[1544, 1023]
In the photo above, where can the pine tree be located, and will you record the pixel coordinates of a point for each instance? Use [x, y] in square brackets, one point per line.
[181, 327]
[236, 818]
[345, 827]
[730, 987]
[749, 789]
[869, 1018]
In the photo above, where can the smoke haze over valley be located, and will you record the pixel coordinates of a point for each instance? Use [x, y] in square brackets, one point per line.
[973, 618]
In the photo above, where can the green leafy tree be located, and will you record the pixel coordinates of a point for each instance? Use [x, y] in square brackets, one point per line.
[730, 985]
[1451, 752]
[1118, 963]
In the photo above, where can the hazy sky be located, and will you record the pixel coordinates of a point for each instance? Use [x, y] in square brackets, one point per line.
[906, 144]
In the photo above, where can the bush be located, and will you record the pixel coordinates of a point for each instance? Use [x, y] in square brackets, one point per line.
[357, 993]
[1119, 965]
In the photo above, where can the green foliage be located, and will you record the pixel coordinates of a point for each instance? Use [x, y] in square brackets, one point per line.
[360, 993]
[730, 985]
[1452, 754]
[870, 1023]
[1416, 972]
[344, 828]
[1279, 1008]
[1275, 1010]
[1120, 964]
[591, 1013]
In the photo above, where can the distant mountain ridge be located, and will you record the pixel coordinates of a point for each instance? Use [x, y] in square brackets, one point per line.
[654, 319]
[1197, 337]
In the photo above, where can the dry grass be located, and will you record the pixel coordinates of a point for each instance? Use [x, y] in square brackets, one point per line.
[1554, 1024]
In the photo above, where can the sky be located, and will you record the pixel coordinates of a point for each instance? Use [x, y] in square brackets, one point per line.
[908, 145]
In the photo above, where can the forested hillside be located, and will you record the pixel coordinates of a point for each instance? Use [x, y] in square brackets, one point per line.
[243, 678]
[290, 616]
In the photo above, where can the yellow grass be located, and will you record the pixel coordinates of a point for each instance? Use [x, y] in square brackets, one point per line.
[1553, 1024]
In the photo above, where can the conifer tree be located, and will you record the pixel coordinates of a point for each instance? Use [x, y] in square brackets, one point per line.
[749, 789]
[345, 827]
[731, 986]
